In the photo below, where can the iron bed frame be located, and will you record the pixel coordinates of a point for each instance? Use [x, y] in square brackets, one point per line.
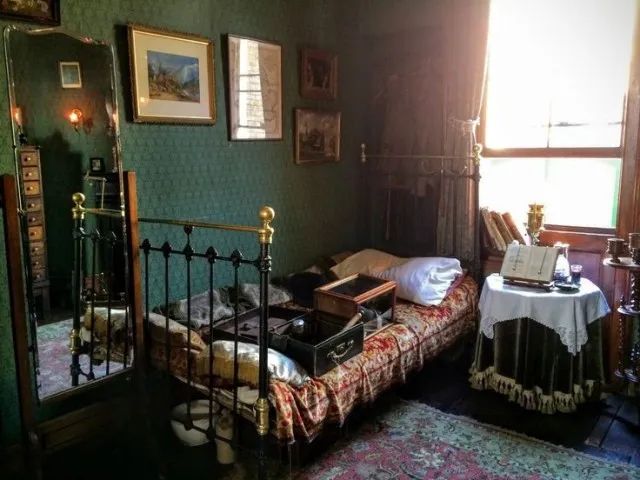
[409, 169]
[141, 255]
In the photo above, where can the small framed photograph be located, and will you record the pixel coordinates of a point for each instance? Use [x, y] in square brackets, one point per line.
[46, 12]
[97, 165]
[317, 136]
[70, 76]
[255, 89]
[172, 77]
[318, 74]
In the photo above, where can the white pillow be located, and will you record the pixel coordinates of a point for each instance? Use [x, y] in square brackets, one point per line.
[424, 280]
[368, 261]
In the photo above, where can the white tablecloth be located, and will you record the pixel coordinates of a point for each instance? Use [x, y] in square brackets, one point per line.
[568, 314]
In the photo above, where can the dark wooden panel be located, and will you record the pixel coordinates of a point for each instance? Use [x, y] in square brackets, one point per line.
[8, 196]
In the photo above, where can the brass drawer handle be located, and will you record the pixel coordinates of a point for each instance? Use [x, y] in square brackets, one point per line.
[31, 205]
[32, 219]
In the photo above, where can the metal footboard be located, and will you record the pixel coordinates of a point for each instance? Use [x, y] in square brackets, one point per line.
[202, 265]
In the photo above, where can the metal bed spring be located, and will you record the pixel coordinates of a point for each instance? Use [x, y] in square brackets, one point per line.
[210, 256]
[99, 242]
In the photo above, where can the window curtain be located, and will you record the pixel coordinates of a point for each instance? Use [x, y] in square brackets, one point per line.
[465, 44]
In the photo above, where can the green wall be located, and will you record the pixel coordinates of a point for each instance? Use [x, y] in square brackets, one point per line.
[194, 171]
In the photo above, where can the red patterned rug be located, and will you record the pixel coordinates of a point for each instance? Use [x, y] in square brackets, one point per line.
[415, 441]
[55, 359]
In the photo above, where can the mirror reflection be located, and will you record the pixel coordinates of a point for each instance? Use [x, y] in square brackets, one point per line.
[64, 116]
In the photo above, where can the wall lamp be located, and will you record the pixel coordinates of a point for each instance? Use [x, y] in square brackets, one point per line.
[75, 118]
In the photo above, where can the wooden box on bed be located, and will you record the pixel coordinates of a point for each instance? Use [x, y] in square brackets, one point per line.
[357, 294]
[324, 344]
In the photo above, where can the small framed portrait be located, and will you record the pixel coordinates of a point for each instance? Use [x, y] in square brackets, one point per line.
[317, 136]
[96, 165]
[318, 74]
[70, 76]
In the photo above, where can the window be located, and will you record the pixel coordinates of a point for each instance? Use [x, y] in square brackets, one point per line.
[557, 79]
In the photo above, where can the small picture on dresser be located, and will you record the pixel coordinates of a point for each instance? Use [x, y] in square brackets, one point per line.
[70, 76]
[97, 165]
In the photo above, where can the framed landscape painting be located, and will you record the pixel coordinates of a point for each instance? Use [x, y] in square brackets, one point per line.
[317, 136]
[172, 77]
[255, 89]
[37, 11]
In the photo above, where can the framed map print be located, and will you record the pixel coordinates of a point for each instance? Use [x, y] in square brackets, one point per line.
[255, 89]
[172, 77]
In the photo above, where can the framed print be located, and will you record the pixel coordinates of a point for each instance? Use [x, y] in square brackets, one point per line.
[318, 74]
[317, 135]
[172, 77]
[70, 76]
[255, 89]
[97, 164]
[36, 11]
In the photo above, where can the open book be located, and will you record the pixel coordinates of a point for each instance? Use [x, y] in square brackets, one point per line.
[529, 263]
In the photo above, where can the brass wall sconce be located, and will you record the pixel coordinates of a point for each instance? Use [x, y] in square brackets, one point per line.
[535, 222]
[18, 119]
[75, 118]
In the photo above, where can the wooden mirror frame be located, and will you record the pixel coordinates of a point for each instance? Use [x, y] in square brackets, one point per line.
[37, 438]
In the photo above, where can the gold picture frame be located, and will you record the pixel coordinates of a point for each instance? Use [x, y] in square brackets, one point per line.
[255, 89]
[172, 76]
[318, 74]
[317, 136]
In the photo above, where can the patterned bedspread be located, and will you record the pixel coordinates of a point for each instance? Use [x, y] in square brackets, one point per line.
[419, 334]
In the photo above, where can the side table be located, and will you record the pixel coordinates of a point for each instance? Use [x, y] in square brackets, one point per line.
[543, 350]
[628, 367]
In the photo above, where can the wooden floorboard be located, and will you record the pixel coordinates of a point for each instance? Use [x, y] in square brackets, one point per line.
[605, 420]
[623, 435]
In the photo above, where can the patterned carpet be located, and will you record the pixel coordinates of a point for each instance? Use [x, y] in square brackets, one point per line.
[55, 359]
[414, 441]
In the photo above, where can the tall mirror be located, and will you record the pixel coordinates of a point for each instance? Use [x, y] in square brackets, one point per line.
[65, 125]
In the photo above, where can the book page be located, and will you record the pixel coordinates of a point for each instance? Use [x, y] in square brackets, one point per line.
[532, 263]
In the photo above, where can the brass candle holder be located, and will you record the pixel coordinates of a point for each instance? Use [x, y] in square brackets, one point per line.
[535, 222]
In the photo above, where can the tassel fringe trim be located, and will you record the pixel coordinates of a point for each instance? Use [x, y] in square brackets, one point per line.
[533, 399]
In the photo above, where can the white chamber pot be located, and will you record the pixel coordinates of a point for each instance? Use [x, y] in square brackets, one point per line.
[200, 418]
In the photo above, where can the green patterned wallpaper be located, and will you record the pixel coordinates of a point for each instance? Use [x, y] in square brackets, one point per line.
[194, 171]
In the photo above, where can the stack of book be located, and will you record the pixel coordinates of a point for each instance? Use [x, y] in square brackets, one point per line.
[499, 230]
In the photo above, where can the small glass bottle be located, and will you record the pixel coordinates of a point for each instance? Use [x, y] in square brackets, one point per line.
[562, 270]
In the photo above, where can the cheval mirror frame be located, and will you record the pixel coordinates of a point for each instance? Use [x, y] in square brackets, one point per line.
[24, 317]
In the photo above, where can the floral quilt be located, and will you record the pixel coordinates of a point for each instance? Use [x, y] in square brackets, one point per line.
[419, 334]
[388, 357]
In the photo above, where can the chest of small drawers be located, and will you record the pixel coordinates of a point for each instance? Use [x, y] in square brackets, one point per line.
[33, 205]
